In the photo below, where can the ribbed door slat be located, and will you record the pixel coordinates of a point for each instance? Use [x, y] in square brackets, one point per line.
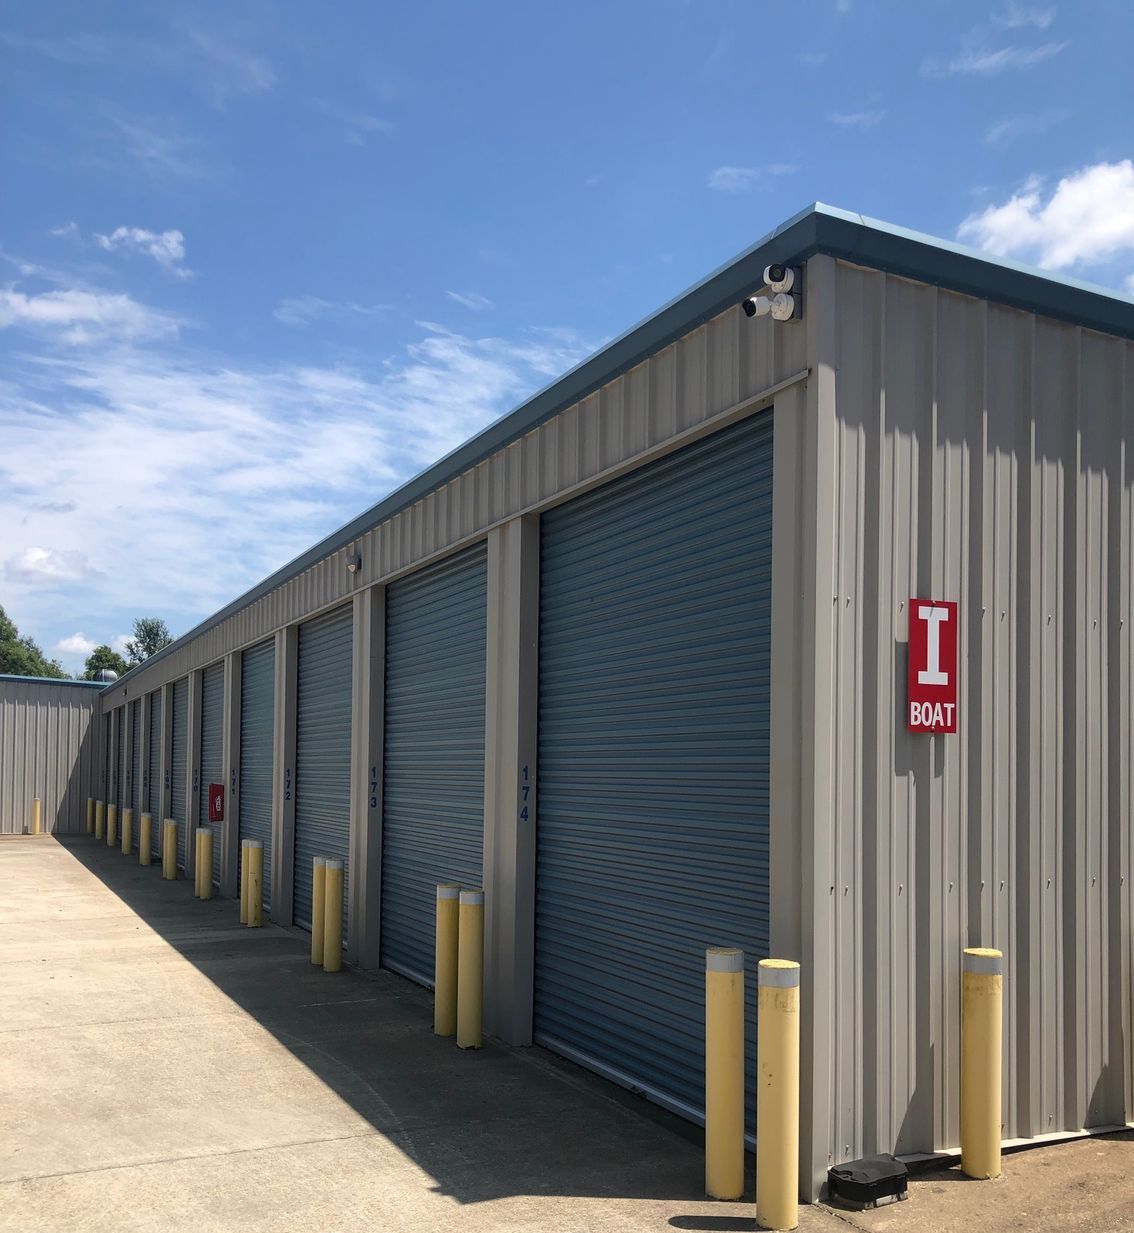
[134, 794]
[322, 757]
[107, 760]
[212, 752]
[153, 771]
[257, 700]
[177, 762]
[433, 792]
[655, 623]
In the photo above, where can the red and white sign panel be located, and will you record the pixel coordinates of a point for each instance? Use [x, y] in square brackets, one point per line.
[933, 666]
[216, 802]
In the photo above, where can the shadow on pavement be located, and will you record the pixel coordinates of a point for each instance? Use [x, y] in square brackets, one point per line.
[487, 1124]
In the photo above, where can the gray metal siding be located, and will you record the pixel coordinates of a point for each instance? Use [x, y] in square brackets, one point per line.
[178, 764]
[433, 793]
[652, 840]
[212, 752]
[134, 789]
[257, 701]
[153, 787]
[49, 747]
[322, 753]
[107, 784]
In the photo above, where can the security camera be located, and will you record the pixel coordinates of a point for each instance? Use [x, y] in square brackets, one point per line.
[779, 277]
[757, 306]
[783, 306]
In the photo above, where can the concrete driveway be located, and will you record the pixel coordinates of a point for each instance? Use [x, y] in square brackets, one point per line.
[163, 1068]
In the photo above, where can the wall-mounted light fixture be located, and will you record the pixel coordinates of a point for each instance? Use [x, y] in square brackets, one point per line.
[354, 563]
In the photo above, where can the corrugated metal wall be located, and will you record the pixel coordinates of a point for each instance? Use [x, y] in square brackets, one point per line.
[49, 748]
[153, 772]
[179, 761]
[134, 795]
[212, 752]
[983, 455]
[257, 698]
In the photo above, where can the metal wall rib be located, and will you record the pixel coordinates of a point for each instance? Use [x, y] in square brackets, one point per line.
[49, 747]
[153, 786]
[433, 793]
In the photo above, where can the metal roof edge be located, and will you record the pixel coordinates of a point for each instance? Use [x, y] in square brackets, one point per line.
[818, 228]
[54, 680]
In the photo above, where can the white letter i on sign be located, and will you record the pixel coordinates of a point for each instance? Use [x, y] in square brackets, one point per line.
[931, 674]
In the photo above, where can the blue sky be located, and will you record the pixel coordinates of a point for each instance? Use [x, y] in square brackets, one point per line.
[260, 263]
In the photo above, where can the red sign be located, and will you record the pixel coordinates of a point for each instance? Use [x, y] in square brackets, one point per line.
[216, 802]
[933, 666]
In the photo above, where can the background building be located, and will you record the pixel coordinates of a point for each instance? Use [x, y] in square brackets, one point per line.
[635, 658]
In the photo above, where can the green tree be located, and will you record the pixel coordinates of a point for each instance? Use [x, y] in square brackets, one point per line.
[103, 657]
[150, 635]
[21, 656]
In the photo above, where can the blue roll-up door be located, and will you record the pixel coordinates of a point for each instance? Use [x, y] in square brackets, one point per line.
[153, 771]
[177, 763]
[212, 752]
[134, 794]
[107, 760]
[655, 623]
[322, 753]
[433, 793]
[120, 797]
[257, 701]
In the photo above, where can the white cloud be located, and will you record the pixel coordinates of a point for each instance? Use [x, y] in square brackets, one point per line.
[471, 299]
[1016, 16]
[118, 643]
[157, 147]
[1087, 220]
[813, 58]
[303, 309]
[65, 230]
[226, 470]
[167, 248]
[75, 644]
[1130, 285]
[984, 61]
[83, 316]
[229, 70]
[1012, 128]
[857, 119]
[38, 565]
[729, 179]
[357, 126]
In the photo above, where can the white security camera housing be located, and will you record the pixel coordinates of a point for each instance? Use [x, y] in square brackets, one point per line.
[757, 306]
[779, 277]
[783, 306]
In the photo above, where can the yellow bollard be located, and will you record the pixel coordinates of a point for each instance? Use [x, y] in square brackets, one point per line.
[111, 825]
[724, 1073]
[205, 864]
[244, 862]
[37, 817]
[90, 815]
[169, 850]
[982, 992]
[100, 819]
[445, 959]
[145, 838]
[318, 900]
[333, 916]
[255, 882]
[127, 831]
[470, 970]
[777, 1095]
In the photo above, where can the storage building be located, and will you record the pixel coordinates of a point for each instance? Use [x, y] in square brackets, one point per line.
[637, 659]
